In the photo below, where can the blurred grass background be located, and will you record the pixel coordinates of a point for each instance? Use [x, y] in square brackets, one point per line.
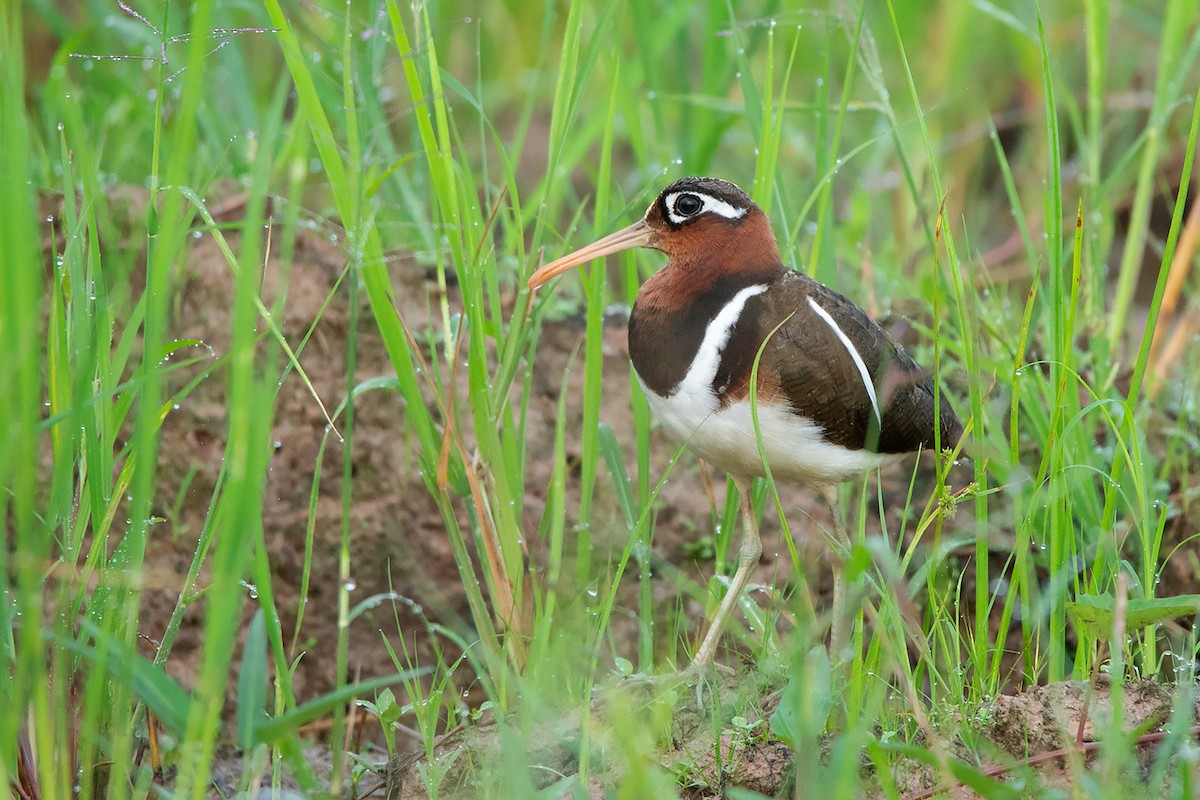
[1010, 179]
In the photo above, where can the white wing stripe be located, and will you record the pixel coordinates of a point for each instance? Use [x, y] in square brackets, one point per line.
[858, 362]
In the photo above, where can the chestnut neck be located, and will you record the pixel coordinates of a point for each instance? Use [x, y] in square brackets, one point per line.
[708, 254]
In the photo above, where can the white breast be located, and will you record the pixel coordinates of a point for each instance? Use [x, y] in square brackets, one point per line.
[795, 446]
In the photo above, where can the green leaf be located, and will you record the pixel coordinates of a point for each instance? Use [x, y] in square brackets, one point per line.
[611, 450]
[275, 728]
[252, 682]
[389, 710]
[162, 695]
[170, 348]
[806, 701]
[1095, 612]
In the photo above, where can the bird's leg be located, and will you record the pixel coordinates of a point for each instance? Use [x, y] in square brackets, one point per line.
[748, 556]
[837, 628]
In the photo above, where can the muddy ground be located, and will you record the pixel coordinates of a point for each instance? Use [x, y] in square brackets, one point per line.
[397, 536]
[398, 540]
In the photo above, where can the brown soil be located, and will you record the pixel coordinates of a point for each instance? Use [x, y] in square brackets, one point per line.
[397, 537]
[1032, 737]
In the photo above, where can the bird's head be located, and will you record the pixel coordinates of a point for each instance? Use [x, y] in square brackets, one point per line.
[698, 222]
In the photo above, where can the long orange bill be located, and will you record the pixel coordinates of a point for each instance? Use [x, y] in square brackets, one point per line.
[636, 235]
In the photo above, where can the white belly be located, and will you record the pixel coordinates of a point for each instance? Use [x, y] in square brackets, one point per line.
[795, 447]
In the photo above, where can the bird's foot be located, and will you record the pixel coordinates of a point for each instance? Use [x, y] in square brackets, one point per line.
[693, 674]
[700, 674]
[699, 670]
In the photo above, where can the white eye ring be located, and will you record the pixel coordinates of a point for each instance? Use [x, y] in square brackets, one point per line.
[708, 203]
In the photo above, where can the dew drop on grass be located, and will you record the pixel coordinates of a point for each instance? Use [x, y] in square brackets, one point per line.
[350, 585]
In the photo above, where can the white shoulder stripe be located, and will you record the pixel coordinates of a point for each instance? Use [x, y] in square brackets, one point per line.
[854, 355]
[697, 383]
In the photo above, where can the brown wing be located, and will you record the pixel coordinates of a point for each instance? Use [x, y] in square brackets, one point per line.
[807, 364]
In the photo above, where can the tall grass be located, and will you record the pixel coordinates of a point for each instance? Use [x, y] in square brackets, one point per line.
[895, 159]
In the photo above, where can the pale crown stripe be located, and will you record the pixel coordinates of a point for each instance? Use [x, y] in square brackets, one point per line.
[711, 203]
[858, 362]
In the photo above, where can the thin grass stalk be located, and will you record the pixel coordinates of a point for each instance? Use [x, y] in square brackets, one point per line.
[66, 325]
[1175, 29]
[1096, 13]
[238, 513]
[21, 643]
[562, 115]
[114, 604]
[910, 176]
[937, 236]
[827, 165]
[1152, 535]
[553, 530]
[498, 526]
[356, 227]
[1059, 539]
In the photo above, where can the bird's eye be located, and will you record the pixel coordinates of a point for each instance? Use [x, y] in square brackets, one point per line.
[687, 205]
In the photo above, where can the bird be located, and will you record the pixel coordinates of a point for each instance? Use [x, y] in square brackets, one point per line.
[834, 395]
